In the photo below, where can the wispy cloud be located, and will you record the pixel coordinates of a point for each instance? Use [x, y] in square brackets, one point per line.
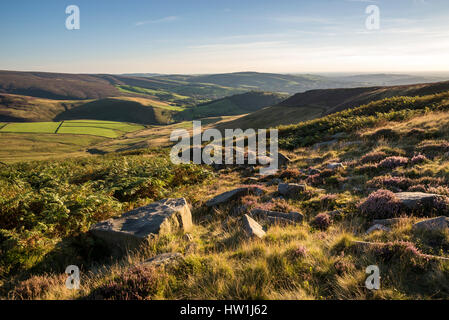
[302, 19]
[161, 20]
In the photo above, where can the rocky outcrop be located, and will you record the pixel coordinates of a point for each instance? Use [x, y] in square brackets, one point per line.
[435, 224]
[233, 195]
[291, 189]
[377, 227]
[252, 228]
[136, 226]
[388, 222]
[416, 200]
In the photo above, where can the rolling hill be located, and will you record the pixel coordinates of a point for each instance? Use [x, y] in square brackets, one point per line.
[334, 100]
[263, 81]
[61, 86]
[233, 105]
[121, 109]
[315, 103]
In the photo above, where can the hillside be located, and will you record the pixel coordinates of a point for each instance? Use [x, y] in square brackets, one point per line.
[121, 109]
[98, 86]
[233, 105]
[334, 100]
[350, 205]
[316, 103]
[16, 108]
[265, 81]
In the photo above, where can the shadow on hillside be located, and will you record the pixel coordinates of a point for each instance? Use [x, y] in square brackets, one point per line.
[112, 110]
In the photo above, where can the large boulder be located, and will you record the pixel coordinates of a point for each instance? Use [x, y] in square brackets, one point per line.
[435, 224]
[416, 200]
[291, 189]
[252, 228]
[233, 195]
[136, 226]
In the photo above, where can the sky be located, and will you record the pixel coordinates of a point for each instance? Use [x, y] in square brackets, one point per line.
[211, 36]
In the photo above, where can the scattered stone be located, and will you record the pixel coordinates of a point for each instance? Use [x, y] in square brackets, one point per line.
[435, 224]
[388, 222]
[335, 165]
[415, 200]
[163, 259]
[283, 160]
[252, 228]
[233, 195]
[188, 237]
[136, 226]
[294, 217]
[377, 227]
[291, 189]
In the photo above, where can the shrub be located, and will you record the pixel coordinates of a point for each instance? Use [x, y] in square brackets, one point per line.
[393, 162]
[418, 159]
[381, 204]
[418, 188]
[433, 148]
[385, 133]
[322, 221]
[36, 287]
[138, 283]
[373, 157]
[291, 173]
[343, 265]
[389, 182]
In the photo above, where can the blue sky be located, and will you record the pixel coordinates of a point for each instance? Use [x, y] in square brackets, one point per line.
[209, 36]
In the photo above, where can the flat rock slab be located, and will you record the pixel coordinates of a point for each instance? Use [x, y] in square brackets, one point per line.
[388, 222]
[274, 216]
[377, 227]
[252, 228]
[435, 224]
[136, 226]
[163, 259]
[233, 195]
[414, 200]
[291, 189]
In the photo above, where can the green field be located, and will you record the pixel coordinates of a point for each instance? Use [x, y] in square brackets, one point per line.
[31, 127]
[107, 129]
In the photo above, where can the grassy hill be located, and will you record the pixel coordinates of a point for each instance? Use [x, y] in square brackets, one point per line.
[16, 108]
[390, 145]
[316, 103]
[264, 81]
[233, 105]
[98, 86]
[334, 100]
